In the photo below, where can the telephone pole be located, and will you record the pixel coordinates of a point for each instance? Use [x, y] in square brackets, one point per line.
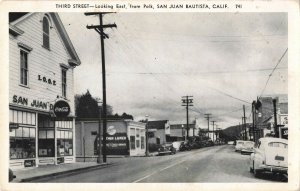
[100, 29]
[187, 101]
[213, 123]
[207, 117]
[244, 124]
[275, 119]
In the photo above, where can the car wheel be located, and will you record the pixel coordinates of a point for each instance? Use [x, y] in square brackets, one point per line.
[255, 172]
[251, 169]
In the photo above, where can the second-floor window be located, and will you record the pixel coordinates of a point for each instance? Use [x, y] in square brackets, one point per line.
[64, 82]
[24, 68]
[46, 30]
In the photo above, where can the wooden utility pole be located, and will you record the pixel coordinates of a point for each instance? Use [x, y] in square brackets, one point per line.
[100, 29]
[213, 124]
[207, 117]
[187, 101]
[275, 119]
[244, 124]
[253, 120]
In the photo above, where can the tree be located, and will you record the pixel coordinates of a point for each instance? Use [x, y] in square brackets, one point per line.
[86, 106]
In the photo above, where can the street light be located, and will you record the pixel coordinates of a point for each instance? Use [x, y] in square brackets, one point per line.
[147, 144]
[99, 160]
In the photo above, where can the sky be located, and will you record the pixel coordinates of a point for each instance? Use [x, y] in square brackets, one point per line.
[223, 60]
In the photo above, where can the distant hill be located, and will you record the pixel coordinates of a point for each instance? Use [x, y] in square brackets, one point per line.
[233, 132]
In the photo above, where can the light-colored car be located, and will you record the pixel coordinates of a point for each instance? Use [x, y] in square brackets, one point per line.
[177, 144]
[248, 147]
[239, 145]
[270, 155]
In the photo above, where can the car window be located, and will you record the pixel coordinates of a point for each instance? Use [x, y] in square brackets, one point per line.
[240, 143]
[278, 144]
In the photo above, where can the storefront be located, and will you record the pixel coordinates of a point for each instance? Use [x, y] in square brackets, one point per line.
[41, 91]
[124, 137]
[38, 137]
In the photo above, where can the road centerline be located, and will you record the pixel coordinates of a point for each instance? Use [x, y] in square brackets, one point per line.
[147, 176]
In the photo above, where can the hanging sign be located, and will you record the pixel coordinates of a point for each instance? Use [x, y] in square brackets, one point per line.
[61, 108]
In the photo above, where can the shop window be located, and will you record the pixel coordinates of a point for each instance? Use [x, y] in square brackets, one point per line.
[22, 117]
[64, 82]
[137, 143]
[142, 142]
[132, 142]
[46, 143]
[46, 31]
[64, 124]
[64, 143]
[23, 68]
[22, 143]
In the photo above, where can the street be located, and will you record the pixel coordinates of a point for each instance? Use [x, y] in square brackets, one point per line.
[210, 164]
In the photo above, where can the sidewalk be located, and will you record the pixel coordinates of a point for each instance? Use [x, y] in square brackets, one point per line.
[43, 171]
[32, 173]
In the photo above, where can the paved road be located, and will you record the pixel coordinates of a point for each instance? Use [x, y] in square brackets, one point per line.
[212, 164]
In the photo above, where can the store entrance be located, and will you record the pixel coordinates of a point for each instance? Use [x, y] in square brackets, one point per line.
[46, 141]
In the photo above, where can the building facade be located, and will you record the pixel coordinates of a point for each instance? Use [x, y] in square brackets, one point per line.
[265, 120]
[41, 63]
[124, 137]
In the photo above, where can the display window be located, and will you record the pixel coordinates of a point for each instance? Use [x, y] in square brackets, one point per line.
[64, 143]
[22, 143]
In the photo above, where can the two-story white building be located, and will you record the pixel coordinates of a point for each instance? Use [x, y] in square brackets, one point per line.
[41, 90]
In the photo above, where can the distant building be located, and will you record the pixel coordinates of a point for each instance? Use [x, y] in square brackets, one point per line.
[158, 131]
[124, 137]
[178, 131]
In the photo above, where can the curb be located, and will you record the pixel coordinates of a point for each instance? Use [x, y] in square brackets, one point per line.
[65, 172]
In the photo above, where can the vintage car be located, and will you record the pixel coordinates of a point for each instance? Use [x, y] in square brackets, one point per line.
[11, 175]
[185, 146]
[239, 145]
[248, 147]
[166, 149]
[177, 144]
[270, 155]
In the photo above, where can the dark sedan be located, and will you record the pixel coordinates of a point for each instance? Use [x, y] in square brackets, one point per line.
[166, 149]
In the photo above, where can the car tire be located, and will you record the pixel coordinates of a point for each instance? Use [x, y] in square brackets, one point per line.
[255, 172]
[251, 169]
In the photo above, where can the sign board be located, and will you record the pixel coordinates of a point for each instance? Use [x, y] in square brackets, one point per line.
[60, 160]
[61, 108]
[284, 120]
[13, 126]
[284, 133]
[29, 163]
[116, 144]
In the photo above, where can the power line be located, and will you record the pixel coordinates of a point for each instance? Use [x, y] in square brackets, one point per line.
[229, 95]
[273, 71]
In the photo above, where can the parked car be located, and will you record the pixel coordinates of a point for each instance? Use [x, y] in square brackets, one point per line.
[270, 155]
[185, 146]
[248, 147]
[177, 144]
[11, 175]
[239, 145]
[166, 149]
